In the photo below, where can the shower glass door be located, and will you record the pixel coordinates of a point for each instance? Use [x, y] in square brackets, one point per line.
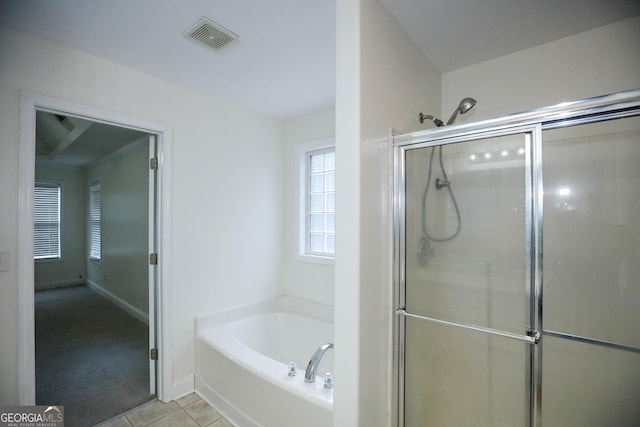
[468, 296]
[478, 341]
[591, 358]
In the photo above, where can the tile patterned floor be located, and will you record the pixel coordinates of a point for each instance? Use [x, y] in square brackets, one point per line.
[189, 411]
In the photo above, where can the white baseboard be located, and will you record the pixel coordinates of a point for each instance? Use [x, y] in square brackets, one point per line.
[135, 312]
[58, 284]
[183, 387]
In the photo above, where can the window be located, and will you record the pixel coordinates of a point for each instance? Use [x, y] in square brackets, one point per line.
[95, 225]
[318, 201]
[46, 220]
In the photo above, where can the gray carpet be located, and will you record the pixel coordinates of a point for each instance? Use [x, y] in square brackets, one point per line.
[91, 356]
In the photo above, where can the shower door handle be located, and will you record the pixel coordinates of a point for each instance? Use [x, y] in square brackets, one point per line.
[532, 337]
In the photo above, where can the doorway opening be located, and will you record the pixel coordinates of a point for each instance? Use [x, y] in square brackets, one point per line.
[103, 272]
[94, 213]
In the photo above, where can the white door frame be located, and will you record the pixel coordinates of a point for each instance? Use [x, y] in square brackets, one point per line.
[153, 273]
[30, 103]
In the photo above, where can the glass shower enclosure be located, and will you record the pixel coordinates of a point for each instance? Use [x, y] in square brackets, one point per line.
[517, 269]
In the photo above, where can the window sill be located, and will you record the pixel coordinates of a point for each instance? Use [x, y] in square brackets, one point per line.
[46, 260]
[316, 259]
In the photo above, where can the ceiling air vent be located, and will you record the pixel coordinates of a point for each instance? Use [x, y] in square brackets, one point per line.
[210, 34]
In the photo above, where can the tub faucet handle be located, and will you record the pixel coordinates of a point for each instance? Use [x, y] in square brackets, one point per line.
[328, 380]
[292, 369]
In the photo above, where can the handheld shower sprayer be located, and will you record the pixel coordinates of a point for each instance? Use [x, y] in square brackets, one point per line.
[425, 251]
[465, 105]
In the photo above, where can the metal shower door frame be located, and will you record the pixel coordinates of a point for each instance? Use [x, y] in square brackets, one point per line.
[531, 124]
[533, 210]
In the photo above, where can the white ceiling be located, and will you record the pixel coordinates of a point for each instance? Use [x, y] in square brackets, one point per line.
[284, 63]
[458, 33]
[77, 142]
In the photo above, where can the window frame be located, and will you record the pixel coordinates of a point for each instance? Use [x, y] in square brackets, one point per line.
[92, 186]
[50, 183]
[303, 155]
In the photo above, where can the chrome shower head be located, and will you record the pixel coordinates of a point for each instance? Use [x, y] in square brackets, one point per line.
[465, 105]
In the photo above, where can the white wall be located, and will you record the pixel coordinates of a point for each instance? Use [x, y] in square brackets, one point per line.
[123, 270]
[347, 262]
[397, 83]
[300, 278]
[596, 62]
[383, 80]
[226, 162]
[72, 268]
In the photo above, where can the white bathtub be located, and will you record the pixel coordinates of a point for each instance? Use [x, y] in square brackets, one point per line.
[242, 358]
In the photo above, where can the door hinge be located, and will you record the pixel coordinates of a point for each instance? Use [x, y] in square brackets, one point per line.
[153, 259]
[153, 163]
[153, 354]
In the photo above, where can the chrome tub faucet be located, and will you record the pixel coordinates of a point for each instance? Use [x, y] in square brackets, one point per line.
[312, 367]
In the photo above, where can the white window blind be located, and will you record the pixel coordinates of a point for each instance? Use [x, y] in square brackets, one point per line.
[95, 226]
[46, 220]
[321, 202]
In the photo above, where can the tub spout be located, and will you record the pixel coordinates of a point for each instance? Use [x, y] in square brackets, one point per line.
[312, 367]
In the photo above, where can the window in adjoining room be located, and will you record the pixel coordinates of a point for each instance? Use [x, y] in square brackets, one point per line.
[46, 220]
[95, 225]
